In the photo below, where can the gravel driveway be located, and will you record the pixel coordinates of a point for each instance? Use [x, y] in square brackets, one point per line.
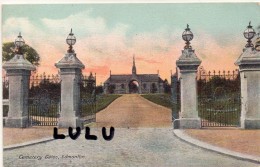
[132, 110]
[151, 147]
[143, 137]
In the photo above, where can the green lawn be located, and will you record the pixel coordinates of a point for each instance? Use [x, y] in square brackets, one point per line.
[102, 102]
[161, 99]
[105, 100]
[166, 101]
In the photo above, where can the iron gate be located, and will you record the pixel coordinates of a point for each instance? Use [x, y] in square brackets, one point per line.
[175, 99]
[219, 98]
[44, 100]
[176, 93]
[88, 99]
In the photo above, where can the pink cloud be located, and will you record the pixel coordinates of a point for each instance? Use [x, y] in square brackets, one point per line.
[100, 70]
[103, 49]
[150, 61]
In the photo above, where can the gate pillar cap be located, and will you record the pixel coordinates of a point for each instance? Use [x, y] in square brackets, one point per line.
[249, 60]
[70, 60]
[18, 62]
[188, 60]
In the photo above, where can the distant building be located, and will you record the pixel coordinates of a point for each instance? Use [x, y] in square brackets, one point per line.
[133, 83]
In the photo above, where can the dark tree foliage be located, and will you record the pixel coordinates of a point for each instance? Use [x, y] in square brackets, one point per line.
[46, 87]
[29, 53]
[166, 86]
[211, 87]
[99, 89]
[90, 86]
[87, 86]
[91, 83]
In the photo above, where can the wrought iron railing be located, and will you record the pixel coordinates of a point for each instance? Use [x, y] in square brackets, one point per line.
[88, 98]
[44, 99]
[219, 98]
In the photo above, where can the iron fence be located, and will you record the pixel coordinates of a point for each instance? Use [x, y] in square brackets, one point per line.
[175, 97]
[219, 98]
[44, 100]
[88, 98]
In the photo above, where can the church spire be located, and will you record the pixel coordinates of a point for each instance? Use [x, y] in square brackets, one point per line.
[134, 68]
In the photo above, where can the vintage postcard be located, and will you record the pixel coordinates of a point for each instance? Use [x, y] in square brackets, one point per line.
[131, 84]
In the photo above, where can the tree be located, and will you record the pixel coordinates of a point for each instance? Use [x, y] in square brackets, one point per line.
[91, 83]
[29, 53]
[166, 86]
[46, 86]
[99, 89]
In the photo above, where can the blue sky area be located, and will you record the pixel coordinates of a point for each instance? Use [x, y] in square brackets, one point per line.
[147, 30]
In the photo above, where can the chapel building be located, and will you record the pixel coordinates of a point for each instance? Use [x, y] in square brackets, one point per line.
[133, 83]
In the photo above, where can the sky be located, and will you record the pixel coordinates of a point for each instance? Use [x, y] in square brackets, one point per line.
[108, 35]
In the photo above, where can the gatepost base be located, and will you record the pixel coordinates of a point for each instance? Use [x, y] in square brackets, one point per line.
[250, 123]
[70, 122]
[189, 123]
[16, 122]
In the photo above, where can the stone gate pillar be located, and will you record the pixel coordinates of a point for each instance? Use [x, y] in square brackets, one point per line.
[18, 70]
[188, 64]
[249, 67]
[70, 71]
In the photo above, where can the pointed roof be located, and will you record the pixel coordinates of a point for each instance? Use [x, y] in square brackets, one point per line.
[188, 60]
[18, 62]
[134, 67]
[70, 60]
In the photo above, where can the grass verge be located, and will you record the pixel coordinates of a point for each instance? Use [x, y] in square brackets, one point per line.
[105, 100]
[160, 99]
[101, 103]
